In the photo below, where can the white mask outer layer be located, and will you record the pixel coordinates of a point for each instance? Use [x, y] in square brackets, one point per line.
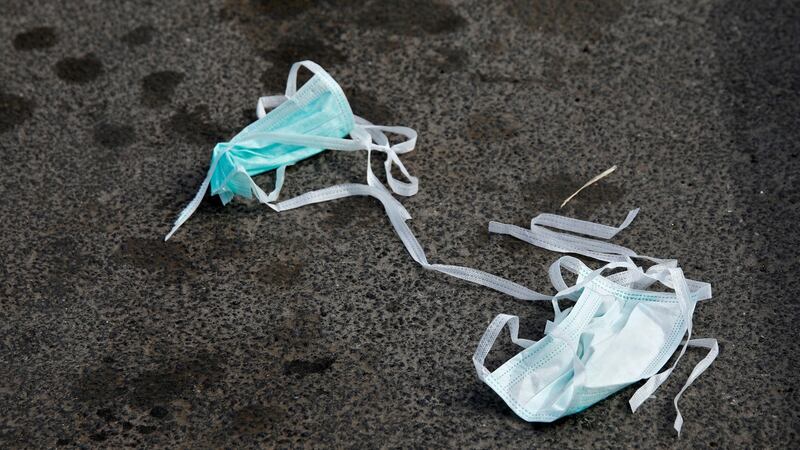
[616, 334]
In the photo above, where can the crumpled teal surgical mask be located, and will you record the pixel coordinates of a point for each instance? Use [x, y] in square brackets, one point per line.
[617, 333]
[303, 123]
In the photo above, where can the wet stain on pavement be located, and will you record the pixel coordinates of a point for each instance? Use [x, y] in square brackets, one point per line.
[281, 273]
[281, 10]
[114, 135]
[492, 126]
[296, 49]
[449, 59]
[349, 212]
[158, 87]
[301, 329]
[36, 38]
[197, 374]
[140, 35]
[574, 19]
[154, 255]
[159, 412]
[65, 267]
[196, 126]
[411, 17]
[79, 69]
[366, 104]
[253, 419]
[302, 368]
[106, 385]
[14, 110]
[100, 385]
[417, 17]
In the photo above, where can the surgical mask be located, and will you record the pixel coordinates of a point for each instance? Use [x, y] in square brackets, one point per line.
[307, 121]
[617, 333]
[301, 123]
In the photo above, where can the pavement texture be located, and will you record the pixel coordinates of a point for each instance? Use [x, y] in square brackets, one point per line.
[314, 327]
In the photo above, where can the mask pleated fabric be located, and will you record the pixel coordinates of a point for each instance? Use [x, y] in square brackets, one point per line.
[318, 117]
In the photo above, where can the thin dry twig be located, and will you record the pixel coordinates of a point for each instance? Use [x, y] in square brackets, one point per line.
[590, 182]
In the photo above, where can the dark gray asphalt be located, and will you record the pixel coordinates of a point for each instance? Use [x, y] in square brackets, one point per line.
[314, 327]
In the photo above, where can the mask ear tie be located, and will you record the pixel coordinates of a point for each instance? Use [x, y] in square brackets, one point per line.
[291, 81]
[564, 243]
[198, 198]
[268, 102]
[687, 303]
[378, 132]
[490, 336]
[713, 350]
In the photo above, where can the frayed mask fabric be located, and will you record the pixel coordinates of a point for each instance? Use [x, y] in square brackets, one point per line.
[617, 333]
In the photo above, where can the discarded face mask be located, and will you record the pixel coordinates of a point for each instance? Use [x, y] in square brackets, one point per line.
[303, 123]
[307, 121]
[616, 334]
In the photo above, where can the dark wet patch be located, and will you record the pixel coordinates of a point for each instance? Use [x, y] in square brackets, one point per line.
[367, 105]
[159, 412]
[79, 70]
[107, 415]
[14, 110]
[158, 87]
[302, 329]
[347, 213]
[140, 35]
[492, 126]
[280, 9]
[496, 77]
[164, 385]
[63, 441]
[297, 48]
[112, 135]
[315, 19]
[101, 385]
[547, 193]
[253, 419]
[36, 38]
[154, 254]
[574, 19]
[196, 126]
[449, 59]
[99, 437]
[145, 429]
[410, 18]
[64, 266]
[301, 367]
[249, 115]
[281, 273]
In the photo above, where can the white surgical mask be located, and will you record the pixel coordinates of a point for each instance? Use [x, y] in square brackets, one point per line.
[616, 334]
